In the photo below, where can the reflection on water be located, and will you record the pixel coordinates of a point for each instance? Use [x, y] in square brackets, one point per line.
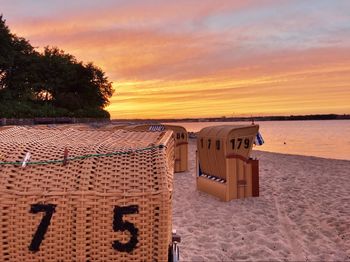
[328, 138]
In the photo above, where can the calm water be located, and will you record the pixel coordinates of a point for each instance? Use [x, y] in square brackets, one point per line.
[329, 139]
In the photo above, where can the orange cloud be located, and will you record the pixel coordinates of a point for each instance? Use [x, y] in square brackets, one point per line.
[189, 58]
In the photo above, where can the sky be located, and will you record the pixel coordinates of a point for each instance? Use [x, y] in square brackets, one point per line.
[201, 58]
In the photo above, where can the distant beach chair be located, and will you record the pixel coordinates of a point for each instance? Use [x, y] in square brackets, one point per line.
[181, 144]
[223, 165]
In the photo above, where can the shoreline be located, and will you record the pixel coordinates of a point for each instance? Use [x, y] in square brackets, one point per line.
[297, 155]
[290, 154]
[192, 136]
[301, 214]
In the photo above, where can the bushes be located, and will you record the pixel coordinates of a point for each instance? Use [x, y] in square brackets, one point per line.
[15, 109]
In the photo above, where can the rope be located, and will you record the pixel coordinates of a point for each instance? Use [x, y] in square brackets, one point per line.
[83, 157]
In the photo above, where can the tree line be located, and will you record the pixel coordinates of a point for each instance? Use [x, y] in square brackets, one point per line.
[50, 83]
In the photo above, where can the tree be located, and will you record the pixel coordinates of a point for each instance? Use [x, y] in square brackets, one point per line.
[51, 83]
[72, 85]
[16, 60]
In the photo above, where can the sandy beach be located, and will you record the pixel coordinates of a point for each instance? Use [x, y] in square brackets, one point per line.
[302, 214]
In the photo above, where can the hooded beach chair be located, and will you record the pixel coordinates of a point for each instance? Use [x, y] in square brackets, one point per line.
[181, 141]
[224, 166]
[86, 195]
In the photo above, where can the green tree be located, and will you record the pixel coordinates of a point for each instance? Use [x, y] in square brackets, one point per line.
[73, 85]
[17, 58]
[51, 83]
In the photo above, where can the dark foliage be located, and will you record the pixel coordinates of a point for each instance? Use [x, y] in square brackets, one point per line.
[48, 84]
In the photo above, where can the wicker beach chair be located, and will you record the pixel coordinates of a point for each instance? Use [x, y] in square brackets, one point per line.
[224, 166]
[181, 141]
[86, 195]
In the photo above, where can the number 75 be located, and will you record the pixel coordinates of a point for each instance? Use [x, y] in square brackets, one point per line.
[118, 225]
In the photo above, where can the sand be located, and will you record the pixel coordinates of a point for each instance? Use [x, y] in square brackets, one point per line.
[302, 214]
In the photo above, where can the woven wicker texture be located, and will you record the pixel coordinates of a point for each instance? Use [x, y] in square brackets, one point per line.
[110, 202]
[181, 141]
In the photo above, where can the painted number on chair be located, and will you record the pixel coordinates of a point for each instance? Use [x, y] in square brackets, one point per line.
[237, 143]
[39, 235]
[120, 225]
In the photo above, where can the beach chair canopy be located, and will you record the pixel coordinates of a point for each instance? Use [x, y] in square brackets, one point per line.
[228, 139]
[181, 141]
[215, 144]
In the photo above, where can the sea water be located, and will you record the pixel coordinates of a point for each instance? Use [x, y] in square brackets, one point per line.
[326, 138]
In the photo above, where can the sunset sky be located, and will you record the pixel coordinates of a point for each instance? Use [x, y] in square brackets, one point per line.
[185, 58]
